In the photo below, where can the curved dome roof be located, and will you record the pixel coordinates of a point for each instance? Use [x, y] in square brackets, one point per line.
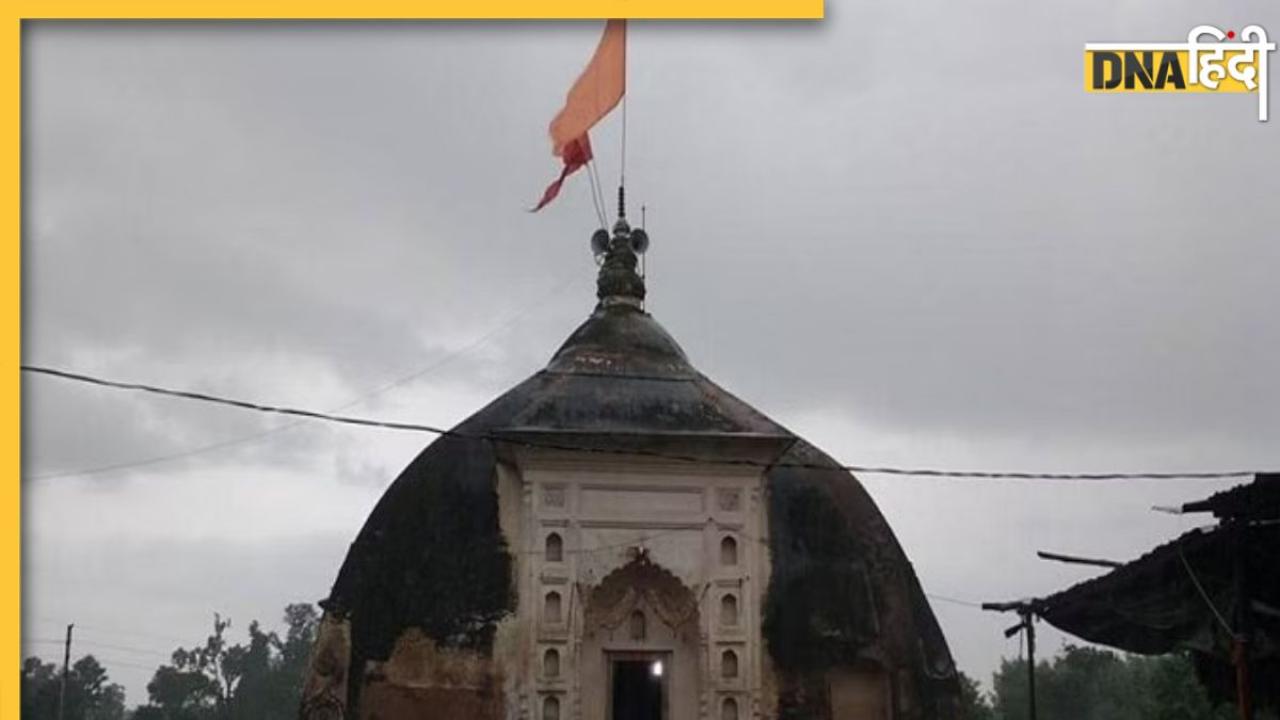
[432, 555]
[620, 372]
[621, 340]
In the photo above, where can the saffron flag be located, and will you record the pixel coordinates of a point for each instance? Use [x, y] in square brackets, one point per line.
[597, 91]
[576, 154]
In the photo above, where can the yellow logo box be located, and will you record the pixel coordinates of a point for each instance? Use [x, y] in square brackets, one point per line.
[1147, 70]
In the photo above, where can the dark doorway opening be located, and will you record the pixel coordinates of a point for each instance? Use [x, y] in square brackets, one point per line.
[638, 688]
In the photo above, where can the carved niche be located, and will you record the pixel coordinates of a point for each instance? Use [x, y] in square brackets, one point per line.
[729, 499]
[640, 582]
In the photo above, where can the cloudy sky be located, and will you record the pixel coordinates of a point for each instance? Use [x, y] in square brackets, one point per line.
[906, 232]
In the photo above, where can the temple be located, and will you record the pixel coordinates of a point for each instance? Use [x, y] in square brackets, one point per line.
[618, 538]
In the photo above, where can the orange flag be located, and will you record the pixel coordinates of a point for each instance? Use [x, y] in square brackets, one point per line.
[597, 90]
[576, 154]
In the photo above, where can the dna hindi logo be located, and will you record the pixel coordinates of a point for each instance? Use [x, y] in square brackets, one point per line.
[1209, 61]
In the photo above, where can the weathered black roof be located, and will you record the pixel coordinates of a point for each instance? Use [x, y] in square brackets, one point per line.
[1185, 595]
[432, 555]
[1179, 594]
[621, 372]
[1258, 500]
[622, 341]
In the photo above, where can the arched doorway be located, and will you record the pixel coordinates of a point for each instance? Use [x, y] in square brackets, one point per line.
[640, 646]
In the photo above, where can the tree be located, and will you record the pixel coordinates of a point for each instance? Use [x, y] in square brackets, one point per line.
[89, 695]
[200, 682]
[260, 680]
[92, 692]
[1083, 683]
[973, 702]
[180, 694]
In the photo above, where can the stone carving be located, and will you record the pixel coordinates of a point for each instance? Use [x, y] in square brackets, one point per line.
[553, 496]
[640, 583]
[729, 500]
[638, 625]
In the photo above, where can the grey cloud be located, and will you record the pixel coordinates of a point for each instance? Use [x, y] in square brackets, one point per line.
[877, 228]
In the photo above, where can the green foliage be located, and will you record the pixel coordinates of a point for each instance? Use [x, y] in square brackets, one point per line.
[89, 694]
[260, 680]
[1083, 683]
[973, 702]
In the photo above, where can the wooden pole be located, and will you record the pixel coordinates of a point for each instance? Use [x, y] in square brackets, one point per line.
[1028, 621]
[66, 668]
[1026, 610]
[1077, 560]
[1244, 624]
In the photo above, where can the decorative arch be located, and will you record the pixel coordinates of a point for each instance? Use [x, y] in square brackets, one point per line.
[554, 549]
[637, 629]
[728, 551]
[641, 583]
[729, 664]
[551, 708]
[729, 610]
[551, 611]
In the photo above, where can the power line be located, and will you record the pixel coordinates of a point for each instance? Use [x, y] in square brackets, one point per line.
[119, 632]
[447, 358]
[107, 660]
[418, 427]
[954, 601]
[107, 646]
[1231, 633]
[110, 661]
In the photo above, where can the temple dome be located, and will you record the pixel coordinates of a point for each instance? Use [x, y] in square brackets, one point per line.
[432, 560]
[622, 340]
[620, 372]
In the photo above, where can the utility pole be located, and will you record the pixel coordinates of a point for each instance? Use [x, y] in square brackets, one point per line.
[66, 668]
[1240, 646]
[1026, 610]
[1028, 623]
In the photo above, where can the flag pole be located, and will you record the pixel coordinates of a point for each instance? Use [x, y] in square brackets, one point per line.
[622, 165]
[596, 92]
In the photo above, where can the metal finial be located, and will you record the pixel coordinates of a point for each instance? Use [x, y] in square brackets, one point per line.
[618, 282]
[622, 203]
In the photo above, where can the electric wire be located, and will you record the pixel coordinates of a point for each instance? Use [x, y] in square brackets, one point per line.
[954, 601]
[1226, 626]
[92, 644]
[597, 194]
[95, 629]
[550, 445]
[522, 312]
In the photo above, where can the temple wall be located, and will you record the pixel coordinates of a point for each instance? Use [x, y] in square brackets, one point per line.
[682, 546]
[596, 543]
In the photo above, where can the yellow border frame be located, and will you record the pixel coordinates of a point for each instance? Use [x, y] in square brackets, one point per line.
[437, 10]
[10, 389]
